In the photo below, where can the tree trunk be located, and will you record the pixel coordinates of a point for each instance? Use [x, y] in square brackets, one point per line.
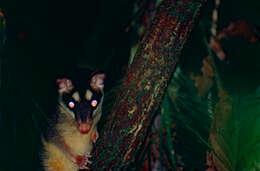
[144, 85]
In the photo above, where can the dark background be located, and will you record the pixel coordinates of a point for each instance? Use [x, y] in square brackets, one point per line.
[50, 39]
[47, 40]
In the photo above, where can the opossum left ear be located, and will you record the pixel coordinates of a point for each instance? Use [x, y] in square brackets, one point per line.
[65, 85]
[97, 81]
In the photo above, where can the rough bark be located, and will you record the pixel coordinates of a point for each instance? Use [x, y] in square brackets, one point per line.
[144, 85]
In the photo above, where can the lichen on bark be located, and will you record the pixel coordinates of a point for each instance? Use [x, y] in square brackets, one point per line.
[144, 84]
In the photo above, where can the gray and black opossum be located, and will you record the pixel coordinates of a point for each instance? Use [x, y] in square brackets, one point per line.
[69, 141]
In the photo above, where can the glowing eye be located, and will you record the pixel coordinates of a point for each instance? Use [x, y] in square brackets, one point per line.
[71, 105]
[94, 103]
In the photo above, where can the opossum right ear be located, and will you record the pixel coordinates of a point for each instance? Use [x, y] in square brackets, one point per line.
[97, 81]
[65, 85]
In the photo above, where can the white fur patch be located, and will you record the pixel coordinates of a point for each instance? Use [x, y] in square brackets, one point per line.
[88, 94]
[76, 96]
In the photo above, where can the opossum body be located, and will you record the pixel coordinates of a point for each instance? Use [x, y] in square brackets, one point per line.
[70, 141]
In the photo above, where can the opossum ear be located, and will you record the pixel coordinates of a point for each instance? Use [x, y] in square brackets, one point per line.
[97, 81]
[65, 85]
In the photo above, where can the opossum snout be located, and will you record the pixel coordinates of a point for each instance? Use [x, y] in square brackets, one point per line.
[84, 127]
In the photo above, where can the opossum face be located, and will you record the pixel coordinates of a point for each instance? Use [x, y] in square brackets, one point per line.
[84, 104]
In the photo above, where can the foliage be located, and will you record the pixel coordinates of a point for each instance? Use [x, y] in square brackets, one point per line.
[234, 134]
[190, 122]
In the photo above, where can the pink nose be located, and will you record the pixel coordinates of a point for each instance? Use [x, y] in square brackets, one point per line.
[84, 128]
[84, 131]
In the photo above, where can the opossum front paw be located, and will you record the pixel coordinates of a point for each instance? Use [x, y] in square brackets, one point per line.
[94, 136]
[83, 161]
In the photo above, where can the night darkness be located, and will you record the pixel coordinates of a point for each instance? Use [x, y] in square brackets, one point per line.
[47, 40]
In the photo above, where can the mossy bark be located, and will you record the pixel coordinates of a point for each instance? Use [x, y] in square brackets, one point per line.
[144, 84]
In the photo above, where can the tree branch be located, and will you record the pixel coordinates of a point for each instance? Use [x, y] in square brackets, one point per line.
[144, 85]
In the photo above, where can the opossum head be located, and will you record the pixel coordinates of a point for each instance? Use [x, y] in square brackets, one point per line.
[84, 104]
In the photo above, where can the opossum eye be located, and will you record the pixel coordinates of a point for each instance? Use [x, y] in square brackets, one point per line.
[71, 105]
[94, 103]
